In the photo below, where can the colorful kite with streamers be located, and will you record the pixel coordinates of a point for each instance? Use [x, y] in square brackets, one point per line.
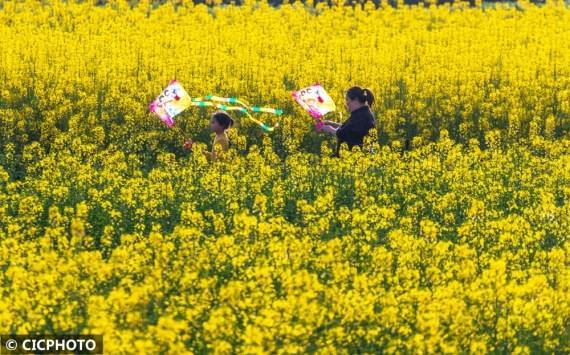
[173, 100]
[316, 101]
[242, 106]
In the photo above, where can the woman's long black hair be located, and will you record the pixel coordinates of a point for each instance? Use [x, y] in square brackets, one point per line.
[363, 95]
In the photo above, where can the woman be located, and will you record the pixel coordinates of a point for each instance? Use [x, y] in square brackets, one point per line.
[358, 103]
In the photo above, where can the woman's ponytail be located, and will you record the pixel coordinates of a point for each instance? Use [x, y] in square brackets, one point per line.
[368, 96]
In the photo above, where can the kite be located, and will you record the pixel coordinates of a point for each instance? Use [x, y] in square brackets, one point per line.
[316, 101]
[173, 100]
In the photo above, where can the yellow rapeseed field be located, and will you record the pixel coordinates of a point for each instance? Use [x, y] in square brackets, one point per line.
[448, 233]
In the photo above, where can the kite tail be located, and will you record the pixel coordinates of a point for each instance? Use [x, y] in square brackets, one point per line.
[202, 103]
[244, 110]
[212, 100]
[235, 108]
[261, 124]
[229, 100]
[274, 111]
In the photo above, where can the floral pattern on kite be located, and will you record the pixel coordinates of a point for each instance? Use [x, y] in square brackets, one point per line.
[315, 100]
[173, 100]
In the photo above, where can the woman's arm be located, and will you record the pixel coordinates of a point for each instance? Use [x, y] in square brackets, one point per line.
[329, 129]
[351, 131]
[331, 123]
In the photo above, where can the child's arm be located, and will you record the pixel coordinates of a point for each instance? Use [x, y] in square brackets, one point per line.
[210, 155]
[215, 153]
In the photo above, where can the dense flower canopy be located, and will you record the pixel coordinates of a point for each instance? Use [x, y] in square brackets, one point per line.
[448, 233]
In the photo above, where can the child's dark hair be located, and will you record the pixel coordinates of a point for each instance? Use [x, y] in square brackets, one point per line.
[224, 119]
[363, 95]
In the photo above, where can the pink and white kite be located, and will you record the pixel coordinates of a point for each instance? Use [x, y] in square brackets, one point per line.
[316, 101]
[173, 100]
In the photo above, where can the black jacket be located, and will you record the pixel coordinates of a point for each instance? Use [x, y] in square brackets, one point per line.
[355, 128]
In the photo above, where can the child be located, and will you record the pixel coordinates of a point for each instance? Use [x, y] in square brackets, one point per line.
[219, 123]
[361, 120]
